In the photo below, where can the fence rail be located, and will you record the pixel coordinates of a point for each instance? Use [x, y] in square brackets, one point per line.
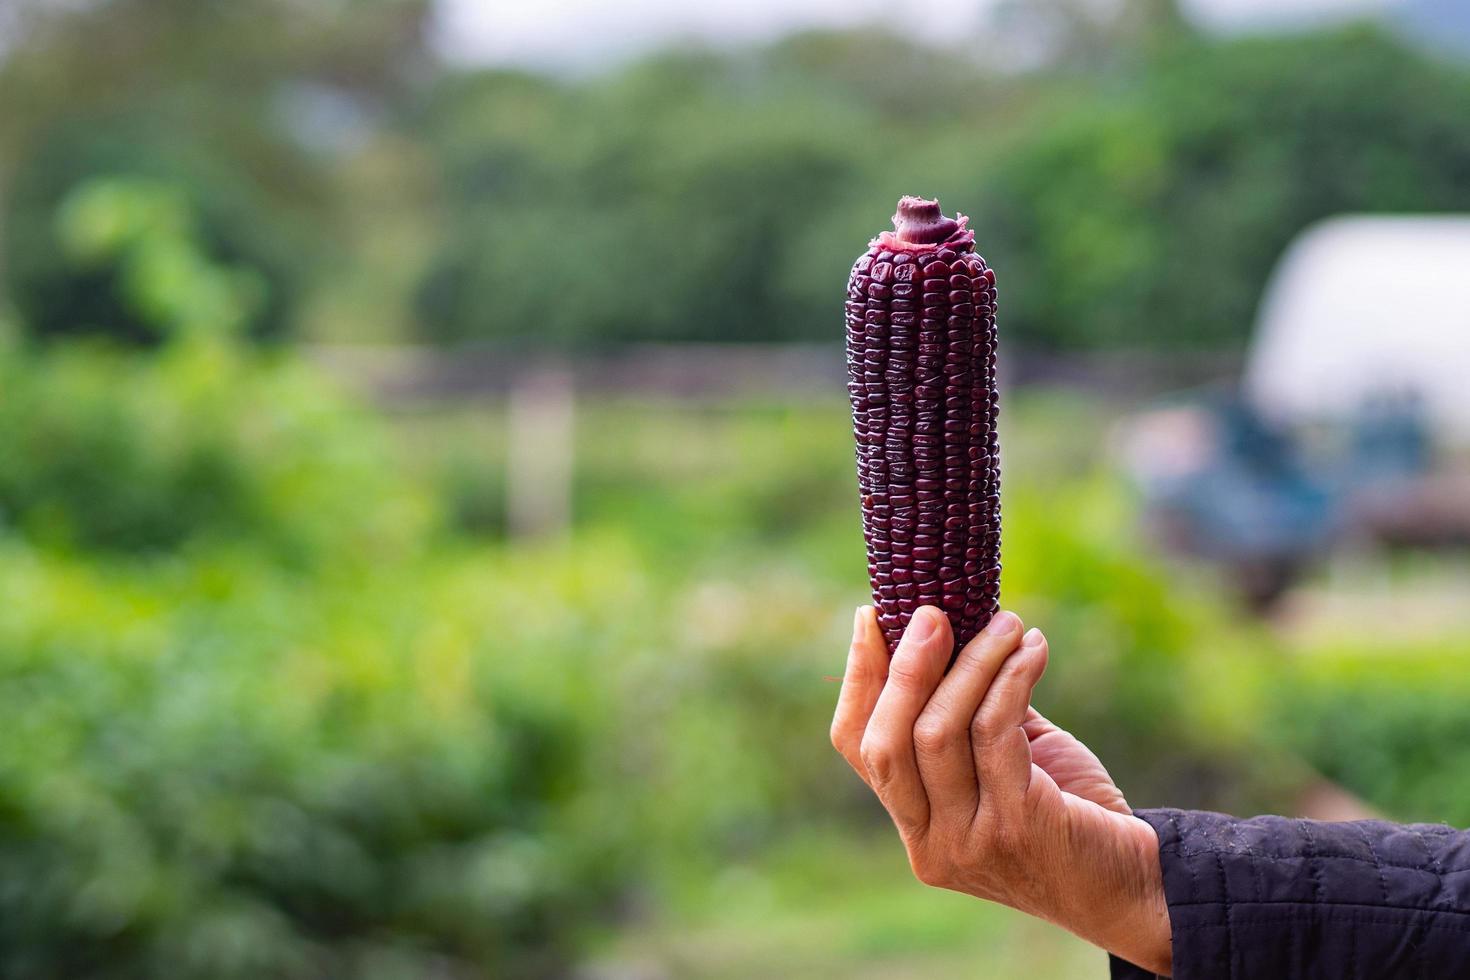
[405, 375]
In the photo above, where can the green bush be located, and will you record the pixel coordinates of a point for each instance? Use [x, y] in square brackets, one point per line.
[260, 720]
[212, 769]
[208, 441]
[123, 452]
[60, 293]
[1390, 724]
[414, 753]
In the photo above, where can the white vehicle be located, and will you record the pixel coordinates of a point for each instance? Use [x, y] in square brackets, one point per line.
[1361, 307]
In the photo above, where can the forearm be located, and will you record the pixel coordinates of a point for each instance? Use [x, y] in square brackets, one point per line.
[1292, 899]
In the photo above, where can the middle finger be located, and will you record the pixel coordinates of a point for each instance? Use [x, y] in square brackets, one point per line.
[942, 733]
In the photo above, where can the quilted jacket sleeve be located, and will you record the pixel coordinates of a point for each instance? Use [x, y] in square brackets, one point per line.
[1290, 899]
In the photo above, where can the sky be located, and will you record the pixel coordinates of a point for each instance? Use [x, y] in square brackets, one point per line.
[578, 34]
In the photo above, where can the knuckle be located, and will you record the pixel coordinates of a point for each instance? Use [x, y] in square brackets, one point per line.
[980, 661]
[904, 672]
[838, 734]
[931, 735]
[984, 730]
[877, 758]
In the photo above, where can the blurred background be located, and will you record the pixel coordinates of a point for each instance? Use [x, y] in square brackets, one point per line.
[427, 506]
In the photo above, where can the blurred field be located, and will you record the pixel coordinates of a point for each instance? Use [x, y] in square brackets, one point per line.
[310, 670]
[837, 903]
[605, 748]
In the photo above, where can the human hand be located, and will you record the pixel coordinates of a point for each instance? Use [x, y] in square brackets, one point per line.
[989, 797]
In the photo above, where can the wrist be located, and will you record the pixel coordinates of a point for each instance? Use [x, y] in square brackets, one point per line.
[1141, 933]
[1123, 911]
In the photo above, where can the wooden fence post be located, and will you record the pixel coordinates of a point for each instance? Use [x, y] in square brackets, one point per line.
[540, 454]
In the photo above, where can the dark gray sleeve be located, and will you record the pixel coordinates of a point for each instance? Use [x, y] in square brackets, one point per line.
[1293, 899]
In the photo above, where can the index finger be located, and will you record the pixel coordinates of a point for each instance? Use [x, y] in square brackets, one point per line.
[888, 745]
[867, 669]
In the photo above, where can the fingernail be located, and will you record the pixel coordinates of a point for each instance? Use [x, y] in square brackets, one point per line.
[1002, 623]
[1032, 638]
[924, 624]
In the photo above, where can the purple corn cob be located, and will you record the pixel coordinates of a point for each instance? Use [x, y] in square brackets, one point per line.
[921, 344]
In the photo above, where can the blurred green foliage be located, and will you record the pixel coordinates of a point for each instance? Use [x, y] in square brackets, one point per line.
[256, 726]
[61, 288]
[145, 230]
[1152, 213]
[207, 441]
[1141, 204]
[1133, 183]
[115, 453]
[1388, 720]
[224, 100]
[282, 718]
[279, 698]
[214, 768]
[389, 747]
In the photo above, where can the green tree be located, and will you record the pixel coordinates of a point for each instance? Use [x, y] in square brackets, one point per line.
[248, 106]
[1152, 215]
[700, 196]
